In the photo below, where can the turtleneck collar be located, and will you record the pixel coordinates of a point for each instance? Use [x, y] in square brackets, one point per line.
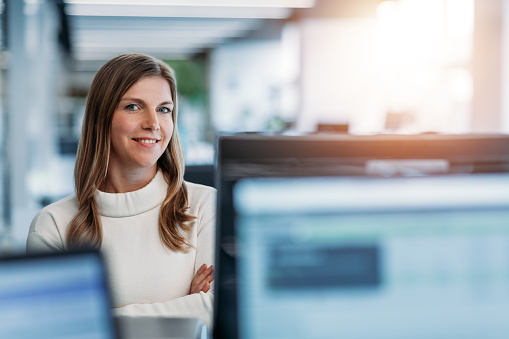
[119, 205]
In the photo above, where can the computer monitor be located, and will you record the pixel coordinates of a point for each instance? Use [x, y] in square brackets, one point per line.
[62, 295]
[380, 258]
[200, 174]
[260, 155]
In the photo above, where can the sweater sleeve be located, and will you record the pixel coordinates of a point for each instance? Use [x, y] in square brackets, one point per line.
[197, 305]
[44, 235]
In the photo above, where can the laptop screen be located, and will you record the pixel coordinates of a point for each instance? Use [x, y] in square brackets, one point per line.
[55, 296]
[373, 257]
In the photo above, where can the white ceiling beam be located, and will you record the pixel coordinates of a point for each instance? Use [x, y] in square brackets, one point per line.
[146, 23]
[106, 35]
[178, 11]
[106, 54]
[202, 3]
[148, 42]
[134, 48]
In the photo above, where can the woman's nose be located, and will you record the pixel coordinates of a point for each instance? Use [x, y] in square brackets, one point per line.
[151, 121]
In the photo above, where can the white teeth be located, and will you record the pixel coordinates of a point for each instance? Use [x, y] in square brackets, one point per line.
[147, 141]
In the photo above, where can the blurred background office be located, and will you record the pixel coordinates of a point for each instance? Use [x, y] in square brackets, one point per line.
[283, 66]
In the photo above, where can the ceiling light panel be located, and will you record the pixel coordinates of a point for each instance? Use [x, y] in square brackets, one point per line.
[141, 34]
[152, 24]
[202, 3]
[83, 36]
[178, 11]
[108, 35]
[143, 42]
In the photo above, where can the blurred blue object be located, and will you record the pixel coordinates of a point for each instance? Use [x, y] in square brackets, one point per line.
[366, 257]
[63, 295]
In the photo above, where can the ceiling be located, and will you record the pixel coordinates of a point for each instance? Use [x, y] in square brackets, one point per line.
[172, 29]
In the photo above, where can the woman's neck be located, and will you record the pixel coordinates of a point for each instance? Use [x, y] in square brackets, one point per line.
[123, 181]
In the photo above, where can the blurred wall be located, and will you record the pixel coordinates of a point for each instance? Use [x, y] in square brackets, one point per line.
[245, 85]
[393, 66]
[33, 68]
[488, 112]
[338, 81]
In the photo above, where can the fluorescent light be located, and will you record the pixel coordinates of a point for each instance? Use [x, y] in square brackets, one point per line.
[179, 11]
[202, 3]
[109, 35]
[91, 23]
[148, 42]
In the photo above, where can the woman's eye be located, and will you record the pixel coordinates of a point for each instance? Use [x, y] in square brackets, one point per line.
[132, 107]
[165, 110]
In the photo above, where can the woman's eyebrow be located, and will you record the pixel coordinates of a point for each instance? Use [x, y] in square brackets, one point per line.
[131, 99]
[168, 102]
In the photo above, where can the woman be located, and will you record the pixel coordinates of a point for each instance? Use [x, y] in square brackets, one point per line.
[155, 230]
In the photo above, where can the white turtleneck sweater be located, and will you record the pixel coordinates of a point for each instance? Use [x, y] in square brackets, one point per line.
[146, 278]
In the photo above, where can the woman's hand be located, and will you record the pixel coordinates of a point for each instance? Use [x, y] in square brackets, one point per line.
[202, 279]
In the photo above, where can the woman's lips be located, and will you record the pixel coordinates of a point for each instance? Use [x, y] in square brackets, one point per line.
[146, 142]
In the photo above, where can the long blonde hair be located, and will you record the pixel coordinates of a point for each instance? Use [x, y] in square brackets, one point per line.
[110, 83]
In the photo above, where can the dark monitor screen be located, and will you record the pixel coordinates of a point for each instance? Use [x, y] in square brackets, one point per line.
[330, 155]
[200, 174]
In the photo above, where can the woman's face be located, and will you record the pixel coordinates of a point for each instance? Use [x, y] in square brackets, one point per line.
[142, 125]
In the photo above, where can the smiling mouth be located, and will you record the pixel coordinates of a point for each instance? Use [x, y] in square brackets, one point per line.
[146, 141]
